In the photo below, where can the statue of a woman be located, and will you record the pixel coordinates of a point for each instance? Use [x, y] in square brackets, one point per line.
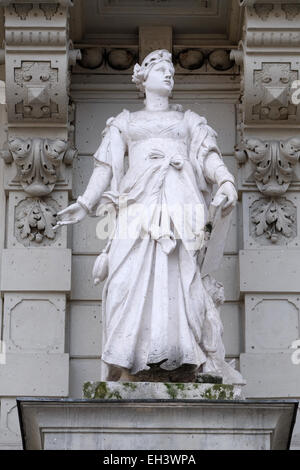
[160, 316]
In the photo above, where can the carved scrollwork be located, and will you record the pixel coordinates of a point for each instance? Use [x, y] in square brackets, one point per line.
[274, 163]
[38, 162]
[273, 220]
[34, 221]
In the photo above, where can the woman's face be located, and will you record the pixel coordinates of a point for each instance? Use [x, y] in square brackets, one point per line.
[160, 79]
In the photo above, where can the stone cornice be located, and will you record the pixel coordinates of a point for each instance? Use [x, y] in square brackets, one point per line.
[64, 3]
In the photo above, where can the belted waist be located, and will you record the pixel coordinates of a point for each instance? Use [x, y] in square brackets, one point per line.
[176, 159]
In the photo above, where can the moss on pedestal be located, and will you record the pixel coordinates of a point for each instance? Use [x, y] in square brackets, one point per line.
[159, 390]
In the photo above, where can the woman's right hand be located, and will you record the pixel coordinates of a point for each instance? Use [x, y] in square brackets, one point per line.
[71, 215]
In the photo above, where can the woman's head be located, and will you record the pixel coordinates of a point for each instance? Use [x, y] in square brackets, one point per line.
[156, 73]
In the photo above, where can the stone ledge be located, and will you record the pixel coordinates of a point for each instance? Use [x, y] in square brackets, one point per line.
[160, 390]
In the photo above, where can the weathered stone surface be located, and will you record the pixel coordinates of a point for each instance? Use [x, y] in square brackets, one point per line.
[159, 390]
[270, 270]
[271, 375]
[35, 375]
[156, 424]
[36, 270]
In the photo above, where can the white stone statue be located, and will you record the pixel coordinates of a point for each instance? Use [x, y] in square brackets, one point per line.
[161, 319]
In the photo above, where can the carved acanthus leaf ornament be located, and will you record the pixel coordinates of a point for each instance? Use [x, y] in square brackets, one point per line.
[274, 163]
[273, 219]
[35, 220]
[38, 162]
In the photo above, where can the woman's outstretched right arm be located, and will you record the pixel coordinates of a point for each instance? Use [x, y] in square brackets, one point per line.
[97, 184]
[109, 160]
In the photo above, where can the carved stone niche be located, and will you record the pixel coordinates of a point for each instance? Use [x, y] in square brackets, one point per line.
[38, 162]
[269, 165]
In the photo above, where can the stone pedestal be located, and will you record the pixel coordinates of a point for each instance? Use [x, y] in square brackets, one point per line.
[173, 417]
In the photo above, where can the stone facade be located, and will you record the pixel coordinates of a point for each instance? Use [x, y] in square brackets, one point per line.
[50, 324]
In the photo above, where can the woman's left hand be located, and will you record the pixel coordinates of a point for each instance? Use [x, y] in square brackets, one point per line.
[227, 189]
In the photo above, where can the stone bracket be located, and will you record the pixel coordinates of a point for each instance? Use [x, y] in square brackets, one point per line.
[38, 163]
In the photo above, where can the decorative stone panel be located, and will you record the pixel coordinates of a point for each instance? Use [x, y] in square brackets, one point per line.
[37, 54]
[33, 323]
[272, 322]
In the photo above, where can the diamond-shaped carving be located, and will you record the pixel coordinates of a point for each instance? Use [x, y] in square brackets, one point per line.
[272, 84]
[36, 81]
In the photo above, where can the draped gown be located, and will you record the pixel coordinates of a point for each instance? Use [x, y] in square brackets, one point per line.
[157, 309]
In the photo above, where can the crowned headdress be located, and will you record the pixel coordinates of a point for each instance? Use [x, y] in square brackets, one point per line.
[140, 72]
